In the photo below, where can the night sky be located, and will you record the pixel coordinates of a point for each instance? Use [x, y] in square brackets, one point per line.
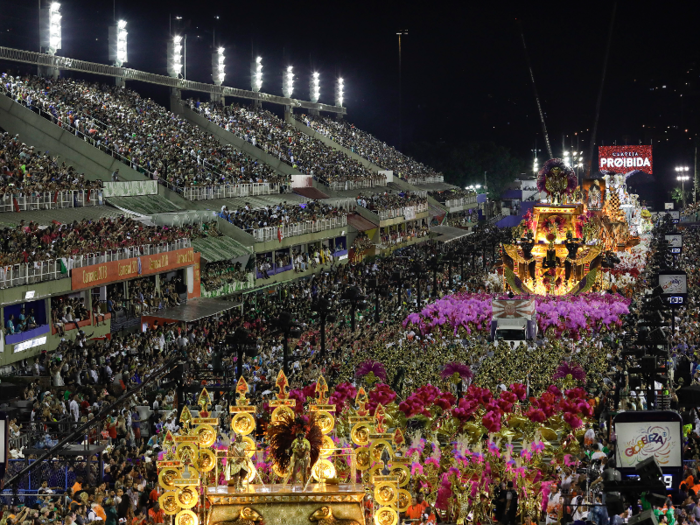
[464, 70]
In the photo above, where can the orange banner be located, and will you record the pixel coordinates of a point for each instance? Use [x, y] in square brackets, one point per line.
[110, 272]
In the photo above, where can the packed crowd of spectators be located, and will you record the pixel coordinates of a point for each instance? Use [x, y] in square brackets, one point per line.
[34, 243]
[67, 312]
[367, 146]
[283, 214]
[217, 274]
[127, 359]
[149, 137]
[23, 170]
[446, 195]
[389, 200]
[268, 132]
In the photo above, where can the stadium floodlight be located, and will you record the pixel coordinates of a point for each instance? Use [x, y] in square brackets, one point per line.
[175, 56]
[256, 75]
[288, 82]
[339, 92]
[218, 65]
[50, 27]
[315, 87]
[117, 43]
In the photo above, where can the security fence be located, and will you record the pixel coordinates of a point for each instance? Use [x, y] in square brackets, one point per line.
[225, 191]
[299, 228]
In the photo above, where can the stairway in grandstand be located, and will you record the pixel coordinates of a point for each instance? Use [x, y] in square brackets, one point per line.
[214, 249]
[144, 204]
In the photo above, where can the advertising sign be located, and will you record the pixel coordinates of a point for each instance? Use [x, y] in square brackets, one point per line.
[642, 440]
[651, 433]
[623, 159]
[668, 205]
[675, 243]
[674, 284]
[99, 274]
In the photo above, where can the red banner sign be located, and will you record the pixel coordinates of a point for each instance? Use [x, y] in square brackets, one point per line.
[109, 272]
[623, 159]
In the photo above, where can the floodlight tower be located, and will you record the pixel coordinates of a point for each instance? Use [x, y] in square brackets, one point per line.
[315, 87]
[288, 82]
[218, 66]
[117, 46]
[50, 34]
[175, 56]
[287, 90]
[256, 74]
[339, 93]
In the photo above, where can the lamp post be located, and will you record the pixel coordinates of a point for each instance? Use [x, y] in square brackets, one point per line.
[400, 33]
[288, 328]
[683, 176]
[397, 281]
[353, 296]
[434, 265]
[322, 309]
[373, 284]
[245, 345]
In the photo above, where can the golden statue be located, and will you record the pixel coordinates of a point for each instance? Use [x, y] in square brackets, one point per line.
[239, 465]
[300, 462]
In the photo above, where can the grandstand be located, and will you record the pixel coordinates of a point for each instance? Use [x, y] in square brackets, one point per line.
[234, 197]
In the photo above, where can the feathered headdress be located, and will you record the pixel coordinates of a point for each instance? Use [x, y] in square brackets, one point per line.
[283, 432]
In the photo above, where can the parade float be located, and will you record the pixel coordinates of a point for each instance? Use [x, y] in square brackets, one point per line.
[353, 455]
[563, 243]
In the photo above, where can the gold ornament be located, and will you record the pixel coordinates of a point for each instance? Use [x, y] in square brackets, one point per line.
[243, 423]
[187, 497]
[184, 450]
[403, 473]
[386, 493]
[250, 446]
[377, 449]
[166, 477]
[362, 458]
[206, 435]
[168, 502]
[404, 500]
[325, 421]
[186, 517]
[323, 470]
[327, 447]
[360, 434]
[206, 460]
[386, 516]
[277, 413]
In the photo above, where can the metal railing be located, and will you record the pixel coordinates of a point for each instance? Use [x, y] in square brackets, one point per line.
[50, 201]
[50, 270]
[353, 184]
[424, 179]
[401, 212]
[91, 259]
[224, 191]
[52, 61]
[463, 201]
[270, 233]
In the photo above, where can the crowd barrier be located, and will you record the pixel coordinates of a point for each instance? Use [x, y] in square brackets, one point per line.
[463, 201]
[225, 191]
[299, 228]
[424, 179]
[409, 212]
[353, 184]
[19, 202]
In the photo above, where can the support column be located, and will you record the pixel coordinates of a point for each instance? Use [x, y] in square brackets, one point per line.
[120, 82]
[314, 112]
[176, 101]
[288, 111]
[217, 98]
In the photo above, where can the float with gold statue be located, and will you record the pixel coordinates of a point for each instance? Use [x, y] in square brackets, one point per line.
[211, 478]
[561, 244]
